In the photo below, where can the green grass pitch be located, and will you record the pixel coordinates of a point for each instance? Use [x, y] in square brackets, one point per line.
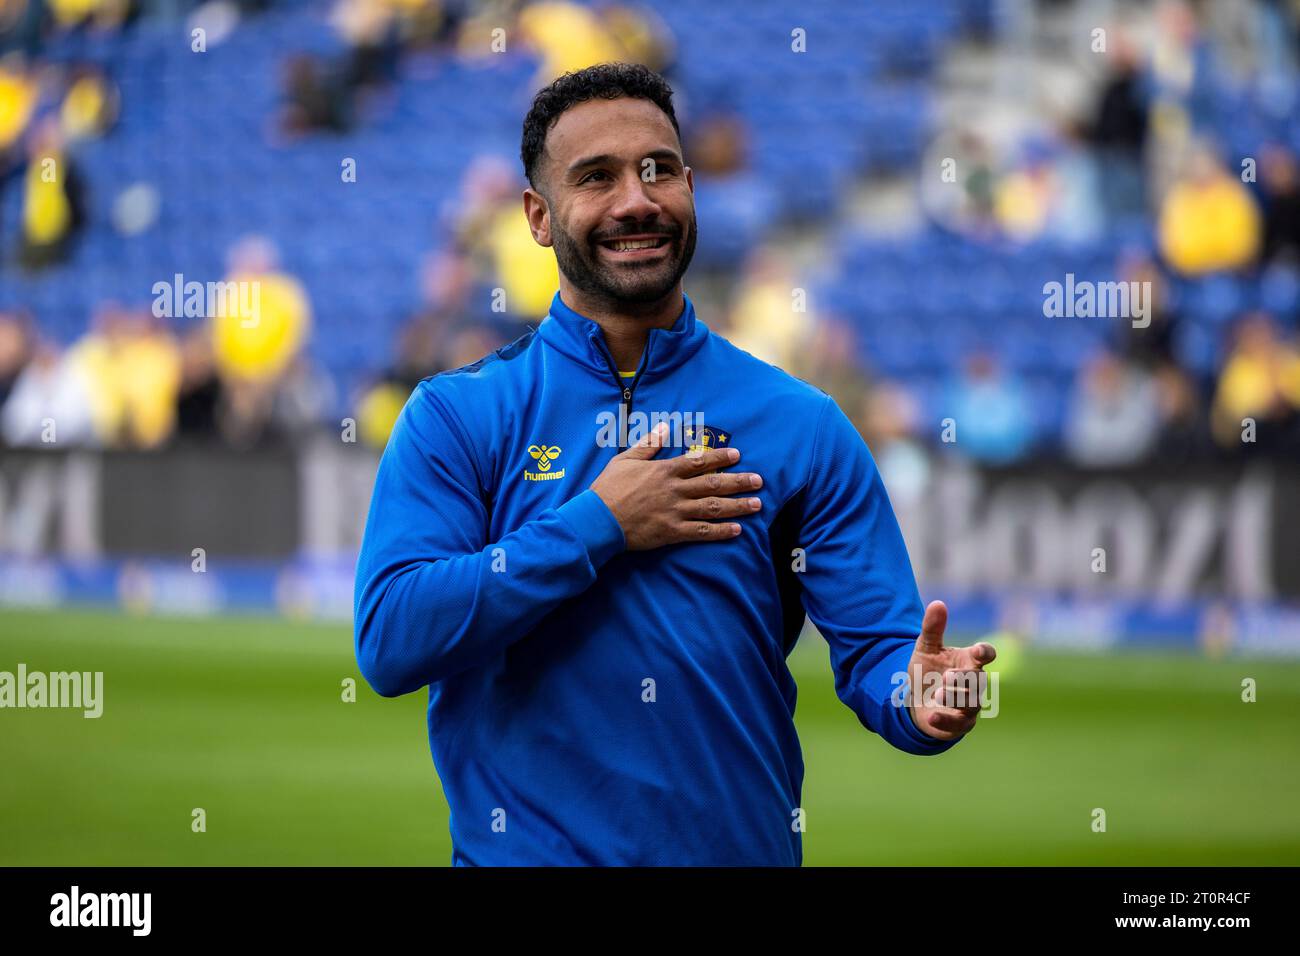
[243, 717]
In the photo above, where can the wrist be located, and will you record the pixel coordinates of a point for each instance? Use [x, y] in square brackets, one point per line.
[590, 517]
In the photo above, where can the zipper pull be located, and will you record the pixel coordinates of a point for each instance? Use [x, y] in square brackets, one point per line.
[627, 394]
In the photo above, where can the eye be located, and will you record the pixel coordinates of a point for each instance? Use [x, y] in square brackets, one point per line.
[588, 177]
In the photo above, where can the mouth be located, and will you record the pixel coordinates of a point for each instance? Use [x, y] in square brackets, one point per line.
[632, 248]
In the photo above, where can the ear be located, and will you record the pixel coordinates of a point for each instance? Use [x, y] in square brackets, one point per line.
[690, 179]
[539, 216]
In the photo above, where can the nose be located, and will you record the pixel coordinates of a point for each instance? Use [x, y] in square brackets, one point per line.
[633, 200]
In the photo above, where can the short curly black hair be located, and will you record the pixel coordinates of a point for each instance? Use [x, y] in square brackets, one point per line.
[608, 80]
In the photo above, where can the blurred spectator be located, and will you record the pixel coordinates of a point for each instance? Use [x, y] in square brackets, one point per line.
[423, 24]
[263, 385]
[1114, 416]
[18, 94]
[527, 272]
[469, 344]
[569, 36]
[1276, 36]
[1184, 429]
[639, 33]
[90, 105]
[831, 360]
[316, 99]
[199, 390]
[994, 420]
[72, 13]
[49, 405]
[420, 350]
[965, 204]
[1181, 70]
[244, 415]
[20, 27]
[53, 204]
[1078, 213]
[370, 29]
[1050, 193]
[1119, 133]
[382, 400]
[134, 368]
[446, 281]
[1153, 344]
[424, 340]
[1279, 181]
[717, 144]
[259, 347]
[15, 349]
[889, 418]
[566, 36]
[488, 183]
[378, 410]
[1260, 381]
[1208, 222]
[1026, 196]
[105, 14]
[763, 319]
[304, 394]
[492, 230]
[1175, 37]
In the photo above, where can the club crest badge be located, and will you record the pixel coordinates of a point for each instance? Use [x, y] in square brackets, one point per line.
[705, 438]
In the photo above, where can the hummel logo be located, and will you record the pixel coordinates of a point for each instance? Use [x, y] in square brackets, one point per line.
[545, 456]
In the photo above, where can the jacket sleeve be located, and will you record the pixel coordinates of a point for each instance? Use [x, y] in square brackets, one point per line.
[433, 595]
[858, 586]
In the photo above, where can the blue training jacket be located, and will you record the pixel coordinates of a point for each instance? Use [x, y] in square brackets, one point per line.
[594, 705]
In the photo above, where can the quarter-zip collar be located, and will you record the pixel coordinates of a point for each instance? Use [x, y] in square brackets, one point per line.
[581, 339]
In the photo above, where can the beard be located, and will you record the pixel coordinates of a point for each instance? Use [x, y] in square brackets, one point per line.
[634, 282]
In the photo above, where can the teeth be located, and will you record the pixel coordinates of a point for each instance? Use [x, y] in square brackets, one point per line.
[624, 245]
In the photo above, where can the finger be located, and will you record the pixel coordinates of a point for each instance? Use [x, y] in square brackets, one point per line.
[649, 444]
[932, 627]
[707, 508]
[720, 483]
[694, 463]
[961, 700]
[938, 723]
[977, 655]
[707, 531]
[951, 721]
[962, 689]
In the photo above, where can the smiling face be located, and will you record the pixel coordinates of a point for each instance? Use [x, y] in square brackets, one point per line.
[618, 204]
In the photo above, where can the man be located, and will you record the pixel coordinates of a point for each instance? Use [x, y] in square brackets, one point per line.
[601, 615]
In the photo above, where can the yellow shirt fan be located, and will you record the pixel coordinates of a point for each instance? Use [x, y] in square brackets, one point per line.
[257, 346]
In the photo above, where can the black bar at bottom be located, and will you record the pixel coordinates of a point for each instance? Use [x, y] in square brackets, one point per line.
[971, 906]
